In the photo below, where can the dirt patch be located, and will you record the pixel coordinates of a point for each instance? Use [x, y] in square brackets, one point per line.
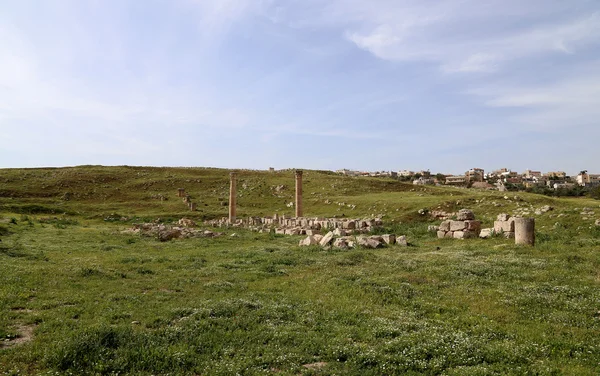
[315, 366]
[24, 335]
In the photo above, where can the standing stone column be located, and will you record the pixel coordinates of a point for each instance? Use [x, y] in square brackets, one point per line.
[525, 231]
[298, 193]
[232, 195]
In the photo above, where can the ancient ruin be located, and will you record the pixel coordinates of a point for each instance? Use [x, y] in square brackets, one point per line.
[298, 193]
[525, 231]
[464, 227]
[232, 196]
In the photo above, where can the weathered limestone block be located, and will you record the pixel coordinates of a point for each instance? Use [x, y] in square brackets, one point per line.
[368, 242]
[445, 226]
[349, 225]
[449, 234]
[459, 234]
[312, 232]
[465, 215]
[525, 231]
[401, 240]
[473, 225]
[486, 233]
[339, 232]
[340, 243]
[308, 241]
[326, 239]
[503, 217]
[457, 225]
[389, 239]
[318, 237]
[441, 234]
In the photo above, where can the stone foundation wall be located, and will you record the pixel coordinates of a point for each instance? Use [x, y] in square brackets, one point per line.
[301, 225]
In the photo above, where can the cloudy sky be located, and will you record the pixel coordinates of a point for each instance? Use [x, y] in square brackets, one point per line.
[320, 84]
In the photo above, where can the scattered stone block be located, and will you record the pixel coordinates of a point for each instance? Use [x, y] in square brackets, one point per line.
[445, 226]
[441, 234]
[486, 233]
[457, 225]
[340, 243]
[308, 241]
[389, 239]
[473, 225]
[503, 217]
[458, 235]
[401, 240]
[339, 232]
[465, 215]
[368, 242]
[326, 239]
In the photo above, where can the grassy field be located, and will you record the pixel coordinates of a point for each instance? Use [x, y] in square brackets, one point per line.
[79, 296]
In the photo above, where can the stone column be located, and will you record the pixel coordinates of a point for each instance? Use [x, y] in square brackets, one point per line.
[232, 195]
[192, 206]
[180, 192]
[525, 231]
[298, 193]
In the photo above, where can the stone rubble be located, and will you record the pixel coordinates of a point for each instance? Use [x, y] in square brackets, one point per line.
[345, 242]
[165, 232]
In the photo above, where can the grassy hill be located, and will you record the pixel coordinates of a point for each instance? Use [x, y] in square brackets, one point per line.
[79, 296]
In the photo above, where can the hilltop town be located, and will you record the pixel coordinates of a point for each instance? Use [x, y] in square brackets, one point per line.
[502, 179]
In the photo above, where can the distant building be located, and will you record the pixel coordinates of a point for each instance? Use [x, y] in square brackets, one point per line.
[456, 179]
[556, 175]
[405, 173]
[474, 174]
[586, 179]
[531, 174]
[424, 181]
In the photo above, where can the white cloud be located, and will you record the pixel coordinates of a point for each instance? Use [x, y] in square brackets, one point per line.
[466, 36]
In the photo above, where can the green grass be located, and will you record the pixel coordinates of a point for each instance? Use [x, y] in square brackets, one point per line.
[102, 302]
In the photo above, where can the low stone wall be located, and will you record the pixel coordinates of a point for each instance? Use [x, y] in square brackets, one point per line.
[301, 225]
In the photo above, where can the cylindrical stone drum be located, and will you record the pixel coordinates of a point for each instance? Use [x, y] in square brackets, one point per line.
[525, 231]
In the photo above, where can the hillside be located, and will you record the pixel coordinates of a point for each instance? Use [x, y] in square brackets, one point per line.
[81, 295]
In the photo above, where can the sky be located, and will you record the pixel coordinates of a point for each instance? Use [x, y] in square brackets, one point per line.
[367, 85]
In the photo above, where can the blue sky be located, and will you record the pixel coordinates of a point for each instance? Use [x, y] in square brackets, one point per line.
[370, 85]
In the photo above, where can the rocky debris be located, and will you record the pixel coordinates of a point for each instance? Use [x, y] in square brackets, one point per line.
[346, 242]
[432, 228]
[326, 239]
[341, 243]
[185, 222]
[598, 222]
[588, 212]
[464, 227]
[308, 241]
[465, 215]
[389, 239]
[168, 232]
[440, 214]
[401, 240]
